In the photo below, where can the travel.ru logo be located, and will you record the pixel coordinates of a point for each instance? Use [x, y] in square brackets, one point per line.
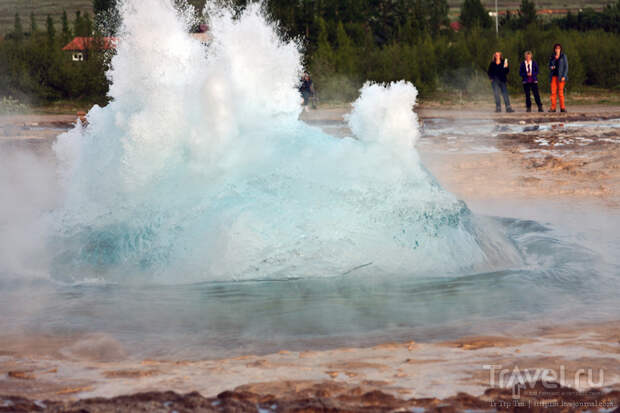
[519, 379]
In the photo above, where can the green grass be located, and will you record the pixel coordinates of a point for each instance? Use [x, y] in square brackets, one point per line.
[587, 96]
[573, 5]
[540, 4]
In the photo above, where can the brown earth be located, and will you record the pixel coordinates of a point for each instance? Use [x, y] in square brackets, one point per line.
[561, 162]
[385, 377]
[330, 397]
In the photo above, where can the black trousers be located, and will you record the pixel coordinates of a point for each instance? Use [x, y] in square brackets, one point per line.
[533, 88]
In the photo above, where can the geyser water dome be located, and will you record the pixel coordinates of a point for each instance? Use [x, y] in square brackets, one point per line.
[200, 170]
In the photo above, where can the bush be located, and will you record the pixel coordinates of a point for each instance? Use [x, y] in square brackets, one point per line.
[459, 61]
[10, 105]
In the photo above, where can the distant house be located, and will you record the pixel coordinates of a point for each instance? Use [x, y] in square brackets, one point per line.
[78, 47]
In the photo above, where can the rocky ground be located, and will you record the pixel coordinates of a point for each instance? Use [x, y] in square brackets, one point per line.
[332, 397]
[481, 157]
[469, 373]
[572, 155]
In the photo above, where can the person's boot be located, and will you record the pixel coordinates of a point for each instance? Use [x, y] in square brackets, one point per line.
[529, 109]
[540, 109]
[563, 110]
[498, 109]
[552, 110]
[509, 109]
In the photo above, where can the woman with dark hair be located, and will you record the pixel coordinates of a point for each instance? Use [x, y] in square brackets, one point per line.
[498, 69]
[558, 68]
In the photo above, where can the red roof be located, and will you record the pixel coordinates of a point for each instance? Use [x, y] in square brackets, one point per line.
[456, 26]
[83, 43]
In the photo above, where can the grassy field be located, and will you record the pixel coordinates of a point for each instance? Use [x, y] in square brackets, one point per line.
[540, 4]
[42, 8]
[556, 5]
[585, 97]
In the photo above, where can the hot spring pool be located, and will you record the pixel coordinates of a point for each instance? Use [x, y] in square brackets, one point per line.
[197, 216]
[571, 274]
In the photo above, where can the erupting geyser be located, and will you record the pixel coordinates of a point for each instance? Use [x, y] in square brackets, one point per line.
[200, 170]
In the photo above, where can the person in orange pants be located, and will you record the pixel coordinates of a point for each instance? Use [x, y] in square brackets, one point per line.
[558, 68]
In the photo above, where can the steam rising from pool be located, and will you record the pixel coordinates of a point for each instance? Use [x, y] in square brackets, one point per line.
[199, 170]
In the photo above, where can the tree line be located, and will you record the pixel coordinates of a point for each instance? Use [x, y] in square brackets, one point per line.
[34, 69]
[419, 45]
[440, 58]
[346, 42]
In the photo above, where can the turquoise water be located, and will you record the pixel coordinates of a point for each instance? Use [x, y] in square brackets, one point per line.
[569, 275]
[200, 170]
[197, 216]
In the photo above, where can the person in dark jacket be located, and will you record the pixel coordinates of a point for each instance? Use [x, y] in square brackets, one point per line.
[529, 74]
[498, 69]
[558, 74]
[306, 89]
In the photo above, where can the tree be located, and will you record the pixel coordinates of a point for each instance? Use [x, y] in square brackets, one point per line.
[385, 19]
[66, 30]
[406, 32]
[324, 51]
[345, 56]
[428, 70]
[474, 14]
[18, 30]
[78, 25]
[51, 31]
[100, 6]
[33, 24]
[419, 17]
[82, 25]
[322, 66]
[438, 15]
[107, 16]
[88, 25]
[527, 13]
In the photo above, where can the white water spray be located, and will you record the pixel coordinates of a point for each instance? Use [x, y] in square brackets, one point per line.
[384, 115]
[200, 170]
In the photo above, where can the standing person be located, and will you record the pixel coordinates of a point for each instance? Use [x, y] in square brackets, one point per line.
[498, 69]
[306, 89]
[529, 73]
[558, 68]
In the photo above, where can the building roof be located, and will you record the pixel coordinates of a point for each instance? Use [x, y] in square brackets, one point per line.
[84, 43]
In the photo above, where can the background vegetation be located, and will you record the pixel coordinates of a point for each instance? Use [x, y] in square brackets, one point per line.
[34, 69]
[346, 42]
[412, 39]
[55, 8]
